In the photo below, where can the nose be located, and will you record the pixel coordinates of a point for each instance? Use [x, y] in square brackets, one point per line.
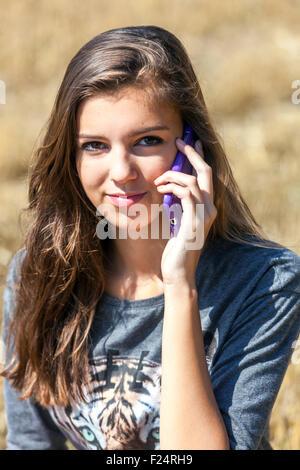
[122, 167]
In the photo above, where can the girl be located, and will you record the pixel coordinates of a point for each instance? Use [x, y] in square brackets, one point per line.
[141, 342]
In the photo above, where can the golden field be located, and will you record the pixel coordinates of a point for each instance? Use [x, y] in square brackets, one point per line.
[246, 54]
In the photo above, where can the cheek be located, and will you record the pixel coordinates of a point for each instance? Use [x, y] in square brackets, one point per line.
[164, 164]
[90, 175]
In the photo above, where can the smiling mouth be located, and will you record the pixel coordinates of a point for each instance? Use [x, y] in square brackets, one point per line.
[125, 200]
[126, 195]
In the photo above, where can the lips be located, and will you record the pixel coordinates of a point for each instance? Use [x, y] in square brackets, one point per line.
[129, 194]
[125, 200]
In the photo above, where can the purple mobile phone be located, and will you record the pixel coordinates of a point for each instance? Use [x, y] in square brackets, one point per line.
[182, 164]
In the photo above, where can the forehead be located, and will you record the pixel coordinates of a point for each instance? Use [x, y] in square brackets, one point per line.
[133, 104]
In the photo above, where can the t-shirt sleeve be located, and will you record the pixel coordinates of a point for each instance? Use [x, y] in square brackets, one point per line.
[29, 425]
[248, 370]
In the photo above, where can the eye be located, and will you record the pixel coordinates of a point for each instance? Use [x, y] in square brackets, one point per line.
[93, 146]
[155, 433]
[87, 433]
[150, 140]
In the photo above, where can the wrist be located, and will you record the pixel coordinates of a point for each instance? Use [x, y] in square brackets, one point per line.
[180, 287]
[180, 299]
[185, 278]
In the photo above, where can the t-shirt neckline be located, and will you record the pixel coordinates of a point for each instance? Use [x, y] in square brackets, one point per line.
[157, 299]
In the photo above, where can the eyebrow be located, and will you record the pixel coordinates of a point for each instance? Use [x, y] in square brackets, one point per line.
[140, 131]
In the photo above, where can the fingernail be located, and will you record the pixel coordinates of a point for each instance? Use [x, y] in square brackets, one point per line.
[180, 142]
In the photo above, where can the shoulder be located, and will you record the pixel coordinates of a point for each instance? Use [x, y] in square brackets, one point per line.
[13, 271]
[11, 285]
[275, 265]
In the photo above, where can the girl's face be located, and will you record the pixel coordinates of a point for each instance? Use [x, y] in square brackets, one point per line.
[124, 142]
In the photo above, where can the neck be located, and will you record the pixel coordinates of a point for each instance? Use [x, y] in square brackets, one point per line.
[137, 258]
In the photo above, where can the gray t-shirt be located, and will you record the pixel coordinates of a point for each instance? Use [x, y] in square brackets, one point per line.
[249, 305]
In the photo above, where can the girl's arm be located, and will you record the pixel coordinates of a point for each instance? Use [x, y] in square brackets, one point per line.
[190, 418]
[189, 414]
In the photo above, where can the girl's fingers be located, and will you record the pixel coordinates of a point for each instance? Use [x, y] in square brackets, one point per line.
[174, 188]
[202, 169]
[185, 195]
[182, 180]
[192, 219]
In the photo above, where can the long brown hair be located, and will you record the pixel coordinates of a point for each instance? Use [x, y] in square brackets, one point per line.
[62, 276]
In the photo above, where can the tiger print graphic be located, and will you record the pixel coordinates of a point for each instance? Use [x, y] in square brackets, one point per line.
[122, 410]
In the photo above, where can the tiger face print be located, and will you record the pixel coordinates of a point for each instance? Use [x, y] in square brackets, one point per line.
[122, 409]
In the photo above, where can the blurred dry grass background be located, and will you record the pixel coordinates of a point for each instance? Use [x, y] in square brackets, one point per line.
[246, 54]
